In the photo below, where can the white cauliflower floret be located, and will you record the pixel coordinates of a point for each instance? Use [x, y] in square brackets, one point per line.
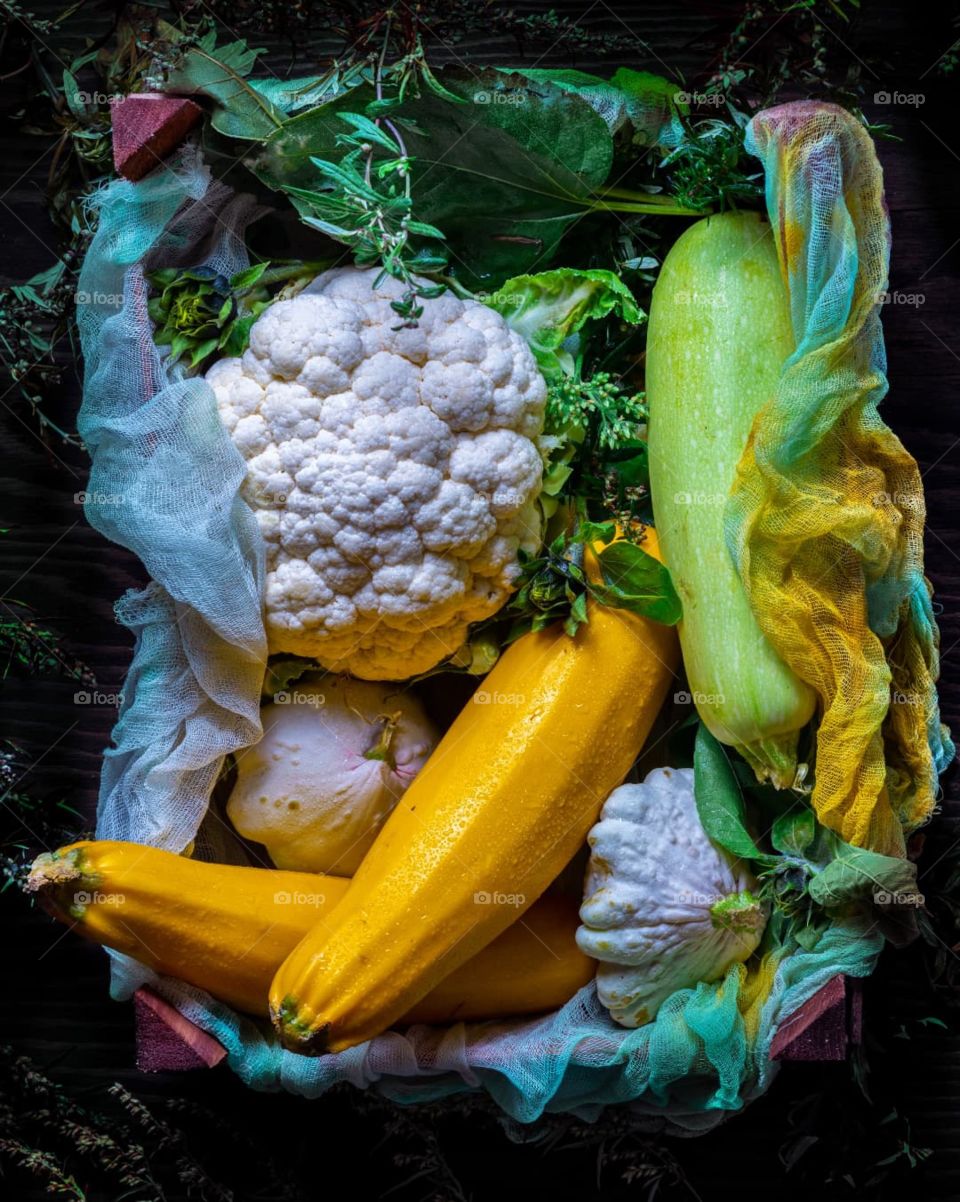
[394, 472]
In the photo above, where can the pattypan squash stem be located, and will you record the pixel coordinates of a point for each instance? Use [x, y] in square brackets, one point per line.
[381, 749]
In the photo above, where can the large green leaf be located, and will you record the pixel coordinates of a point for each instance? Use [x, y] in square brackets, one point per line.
[542, 150]
[503, 174]
[219, 73]
[646, 102]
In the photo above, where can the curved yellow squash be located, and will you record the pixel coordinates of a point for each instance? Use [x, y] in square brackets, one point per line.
[499, 809]
[226, 929]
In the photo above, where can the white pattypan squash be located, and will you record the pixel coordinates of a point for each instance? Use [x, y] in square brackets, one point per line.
[664, 907]
[336, 756]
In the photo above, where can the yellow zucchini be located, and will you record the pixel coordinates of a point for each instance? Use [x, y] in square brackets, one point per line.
[718, 336]
[226, 929]
[501, 806]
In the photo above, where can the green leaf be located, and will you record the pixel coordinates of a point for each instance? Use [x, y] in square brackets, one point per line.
[71, 92]
[379, 108]
[555, 478]
[294, 95]
[348, 177]
[370, 131]
[808, 937]
[597, 532]
[237, 337]
[652, 107]
[437, 87]
[201, 351]
[793, 832]
[284, 160]
[855, 873]
[248, 277]
[424, 230]
[636, 581]
[285, 671]
[640, 99]
[577, 615]
[629, 466]
[341, 233]
[503, 174]
[239, 110]
[547, 308]
[164, 276]
[428, 260]
[720, 804]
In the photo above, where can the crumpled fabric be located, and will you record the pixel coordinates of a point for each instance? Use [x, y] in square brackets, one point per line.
[164, 482]
[706, 1054]
[825, 520]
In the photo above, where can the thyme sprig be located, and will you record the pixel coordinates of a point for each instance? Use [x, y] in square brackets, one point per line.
[368, 202]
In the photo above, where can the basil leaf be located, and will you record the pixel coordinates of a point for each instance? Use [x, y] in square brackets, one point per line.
[719, 800]
[792, 833]
[636, 581]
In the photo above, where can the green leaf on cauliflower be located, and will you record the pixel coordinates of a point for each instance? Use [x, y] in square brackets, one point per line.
[549, 308]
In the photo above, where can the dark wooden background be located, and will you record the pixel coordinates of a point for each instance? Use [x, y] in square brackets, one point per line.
[55, 1006]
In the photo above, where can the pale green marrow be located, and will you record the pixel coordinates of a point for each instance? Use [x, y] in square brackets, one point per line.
[719, 333]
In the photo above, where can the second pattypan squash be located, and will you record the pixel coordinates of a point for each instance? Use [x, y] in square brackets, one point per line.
[664, 907]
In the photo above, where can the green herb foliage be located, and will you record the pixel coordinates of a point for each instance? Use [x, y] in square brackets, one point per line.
[555, 584]
[198, 312]
[68, 110]
[711, 168]
[807, 871]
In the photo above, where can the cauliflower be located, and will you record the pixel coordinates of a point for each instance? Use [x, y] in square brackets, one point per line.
[394, 472]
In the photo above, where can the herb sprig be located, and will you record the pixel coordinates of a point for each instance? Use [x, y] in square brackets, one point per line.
[556, 584]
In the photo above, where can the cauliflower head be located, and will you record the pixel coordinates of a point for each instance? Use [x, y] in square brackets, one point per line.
[394, 472]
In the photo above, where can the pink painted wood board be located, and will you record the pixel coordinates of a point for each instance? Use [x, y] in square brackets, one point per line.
[146, 127]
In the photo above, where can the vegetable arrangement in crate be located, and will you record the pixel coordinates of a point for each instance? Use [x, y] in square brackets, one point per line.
[488, 550]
